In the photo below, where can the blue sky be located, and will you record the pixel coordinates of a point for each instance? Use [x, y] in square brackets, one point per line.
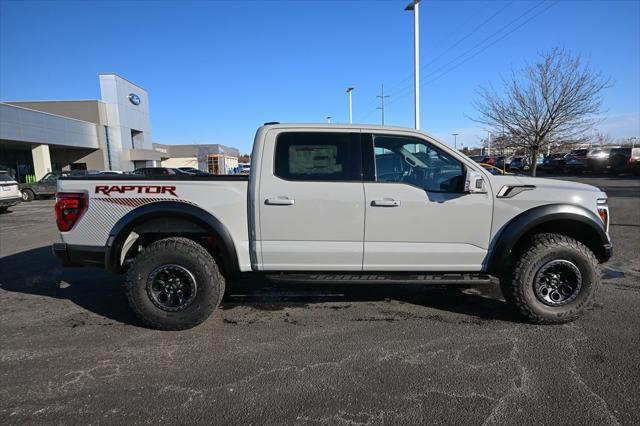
[217, 70]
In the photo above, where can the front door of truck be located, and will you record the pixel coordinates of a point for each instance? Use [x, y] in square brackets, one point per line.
[311, 202]
[417, 216]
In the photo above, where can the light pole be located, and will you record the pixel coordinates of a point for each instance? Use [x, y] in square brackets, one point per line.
[349, 90]
[455, 140]
[488, 143]
[329, 119]
[415, 7]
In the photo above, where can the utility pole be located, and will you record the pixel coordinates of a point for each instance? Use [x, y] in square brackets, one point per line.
[349, 91]
[381, 107]
[328, 119]
[455, 140]
[415, 7]
[488, 143]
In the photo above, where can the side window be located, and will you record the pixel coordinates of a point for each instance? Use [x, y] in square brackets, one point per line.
[49, 177]
[317, 156]
[416, 162]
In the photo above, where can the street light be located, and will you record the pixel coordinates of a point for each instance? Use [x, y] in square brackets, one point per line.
[455, 140]
[329, 119]
[349, 90]
[414, 6]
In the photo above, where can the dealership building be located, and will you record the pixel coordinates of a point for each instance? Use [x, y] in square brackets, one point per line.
[212, 158]
[112, 133]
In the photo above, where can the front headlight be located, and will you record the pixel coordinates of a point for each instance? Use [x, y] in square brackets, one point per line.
[603, 212]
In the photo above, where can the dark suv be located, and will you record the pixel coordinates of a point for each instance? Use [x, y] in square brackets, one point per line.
[46, 187]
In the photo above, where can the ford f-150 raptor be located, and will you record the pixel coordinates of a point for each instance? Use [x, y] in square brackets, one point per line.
[338, 203]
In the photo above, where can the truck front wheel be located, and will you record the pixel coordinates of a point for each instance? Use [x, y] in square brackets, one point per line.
[554, 281]
[174, 284]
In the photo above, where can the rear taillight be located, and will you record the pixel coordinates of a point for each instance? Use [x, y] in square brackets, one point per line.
[69, 208]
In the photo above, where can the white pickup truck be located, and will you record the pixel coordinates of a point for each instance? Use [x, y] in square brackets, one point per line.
[338, 203]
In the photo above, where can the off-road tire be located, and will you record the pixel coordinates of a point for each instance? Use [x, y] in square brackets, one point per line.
[518, 287]
[28, 195]
[189, 255]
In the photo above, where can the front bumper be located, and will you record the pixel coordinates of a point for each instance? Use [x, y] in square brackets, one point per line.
[10, 202]
[76, 255]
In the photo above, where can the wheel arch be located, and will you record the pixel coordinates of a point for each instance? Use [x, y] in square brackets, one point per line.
[169, 212]
[573, 221]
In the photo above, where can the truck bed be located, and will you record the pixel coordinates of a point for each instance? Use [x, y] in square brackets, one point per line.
[111, 197]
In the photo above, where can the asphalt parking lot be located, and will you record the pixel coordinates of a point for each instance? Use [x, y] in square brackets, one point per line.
[71, 351]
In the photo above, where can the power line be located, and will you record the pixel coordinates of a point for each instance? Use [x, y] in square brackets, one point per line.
[494, 42]
[433, 76]
[448, 49]
[444, 52]
[466, 52]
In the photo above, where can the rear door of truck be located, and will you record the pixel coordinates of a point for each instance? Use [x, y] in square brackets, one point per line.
[311, 201]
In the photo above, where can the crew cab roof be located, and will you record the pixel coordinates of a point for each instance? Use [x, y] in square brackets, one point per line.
[342, 127]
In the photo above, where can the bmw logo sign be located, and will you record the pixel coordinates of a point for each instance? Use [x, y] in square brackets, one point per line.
[134, 99]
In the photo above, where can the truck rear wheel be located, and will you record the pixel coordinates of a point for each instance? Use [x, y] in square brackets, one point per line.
[554, 281]
[174, 284]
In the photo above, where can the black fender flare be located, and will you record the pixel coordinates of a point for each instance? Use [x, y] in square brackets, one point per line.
[507, 238]
[174, 209]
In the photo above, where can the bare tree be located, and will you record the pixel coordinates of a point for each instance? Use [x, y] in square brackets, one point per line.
[557, 98]
[603, 139]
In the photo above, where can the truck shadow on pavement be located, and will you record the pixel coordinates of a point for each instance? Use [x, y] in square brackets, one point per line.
[37, 272]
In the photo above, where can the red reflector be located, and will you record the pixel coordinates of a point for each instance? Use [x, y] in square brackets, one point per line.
[69, 208]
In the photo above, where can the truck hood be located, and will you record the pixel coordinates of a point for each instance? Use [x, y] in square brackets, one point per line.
[557, 185]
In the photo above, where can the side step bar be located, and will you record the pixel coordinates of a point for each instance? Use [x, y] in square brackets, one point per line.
[382, 278]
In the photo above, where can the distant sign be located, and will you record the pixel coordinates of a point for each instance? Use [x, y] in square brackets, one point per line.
[134, 99]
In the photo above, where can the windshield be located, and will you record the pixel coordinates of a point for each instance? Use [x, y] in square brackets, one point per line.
[4, 177]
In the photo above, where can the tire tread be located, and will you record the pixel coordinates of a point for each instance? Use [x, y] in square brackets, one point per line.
[513, 289]
[151, 254]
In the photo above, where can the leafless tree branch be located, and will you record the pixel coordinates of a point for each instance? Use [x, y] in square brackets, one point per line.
[555, 99]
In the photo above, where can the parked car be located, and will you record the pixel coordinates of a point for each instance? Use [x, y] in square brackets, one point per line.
[500, 162]
[477, 158]
[519, 164]
[489, 160]
[634, 161]
[244, 168]
[494, 170]
[45, 187]
[432, 216]
[597, 159]
[576, 161]
[192, 171]
[623, 160]
[554, 162]
[9, 191]
[154, 171]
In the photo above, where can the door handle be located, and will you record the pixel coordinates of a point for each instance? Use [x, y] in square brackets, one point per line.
[386, 202]
[280, 201]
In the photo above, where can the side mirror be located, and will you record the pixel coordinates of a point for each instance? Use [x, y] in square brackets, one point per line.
[474, 183]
